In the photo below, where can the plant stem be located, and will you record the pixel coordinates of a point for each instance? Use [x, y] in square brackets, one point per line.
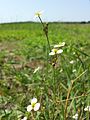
[45, 29]
[66, 104]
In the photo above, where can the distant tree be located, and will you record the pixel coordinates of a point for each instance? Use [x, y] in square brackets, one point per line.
[83, 22]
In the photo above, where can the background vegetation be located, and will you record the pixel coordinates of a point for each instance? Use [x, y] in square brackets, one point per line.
[60, 91]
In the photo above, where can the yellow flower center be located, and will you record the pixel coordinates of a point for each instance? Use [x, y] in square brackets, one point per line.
[55, 50]
[38, 14]
[33, 104]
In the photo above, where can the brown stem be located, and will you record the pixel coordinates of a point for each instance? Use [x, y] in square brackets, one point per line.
[66, 104]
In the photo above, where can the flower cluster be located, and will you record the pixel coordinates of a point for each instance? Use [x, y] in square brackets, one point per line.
[55, 51]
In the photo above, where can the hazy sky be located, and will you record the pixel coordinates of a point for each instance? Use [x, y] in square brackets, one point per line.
[54, 10]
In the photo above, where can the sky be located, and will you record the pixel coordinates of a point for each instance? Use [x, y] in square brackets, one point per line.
[53, 10]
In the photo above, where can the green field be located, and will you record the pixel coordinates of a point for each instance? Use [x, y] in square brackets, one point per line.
[62, 90]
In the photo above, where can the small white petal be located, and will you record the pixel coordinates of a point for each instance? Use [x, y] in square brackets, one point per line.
[75, 116]
[29, 108]
[59, 45]
[52, 53]
[56, 46]
[72, 61]
[33, 101]
[37, 106]
[74, 70]
[59, 51]
[63, 43]
[87, 108]
[61, 70]
[25, 118]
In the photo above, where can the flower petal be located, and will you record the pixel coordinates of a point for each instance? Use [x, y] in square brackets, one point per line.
[25, 118]
[37, 106]
[59, 45]
[59, 51]
[74, 70]
[71, 62]
[56, 46]
[63, 43]
[52, 53]
[87, 108]
[33, 101]
[75, 116]
[29, 108]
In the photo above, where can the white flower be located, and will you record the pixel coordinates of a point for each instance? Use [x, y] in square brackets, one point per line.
[55, 51]
[71, 62]
[87, 108]
[34, 105]
[38, 14]
[37, 69]
[74, 70]
[25, 118]
[59, 45]
[75, 116]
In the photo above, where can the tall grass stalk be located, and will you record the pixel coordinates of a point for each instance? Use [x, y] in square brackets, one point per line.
[68, 93]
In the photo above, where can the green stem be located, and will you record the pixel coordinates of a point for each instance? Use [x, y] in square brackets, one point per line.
[45, 29]
[41, 21]
[54, 91]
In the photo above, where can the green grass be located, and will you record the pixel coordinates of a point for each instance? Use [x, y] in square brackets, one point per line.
[61, 92]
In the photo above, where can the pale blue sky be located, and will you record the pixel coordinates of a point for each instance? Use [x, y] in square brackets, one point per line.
[54, 10]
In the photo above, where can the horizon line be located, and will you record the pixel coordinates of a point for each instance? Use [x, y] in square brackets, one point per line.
[58, 21]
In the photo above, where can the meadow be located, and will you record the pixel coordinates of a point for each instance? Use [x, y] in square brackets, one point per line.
[60, 82]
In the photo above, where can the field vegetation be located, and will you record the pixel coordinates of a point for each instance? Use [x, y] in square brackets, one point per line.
[60, 82]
